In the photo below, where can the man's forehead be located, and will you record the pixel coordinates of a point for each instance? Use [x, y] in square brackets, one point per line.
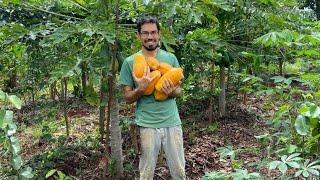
[149, 26]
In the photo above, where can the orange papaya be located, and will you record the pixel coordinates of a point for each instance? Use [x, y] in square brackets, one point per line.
[156, 76]
[164, 67]
[174, 74]
[153, 63]
[160, 96]
[139, 65]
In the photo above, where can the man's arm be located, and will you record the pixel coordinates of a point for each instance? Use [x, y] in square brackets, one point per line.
[131, 95]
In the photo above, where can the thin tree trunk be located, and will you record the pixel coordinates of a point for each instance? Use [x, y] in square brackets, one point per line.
[84, 77]
[116, 143]
[103, 102]
[222, 96]
[211, 93]
[65, 106]
[115, 130]
[52, 92]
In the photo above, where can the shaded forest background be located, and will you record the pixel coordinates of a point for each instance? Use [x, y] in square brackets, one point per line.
[250, 102]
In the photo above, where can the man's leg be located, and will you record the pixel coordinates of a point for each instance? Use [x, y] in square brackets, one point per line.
[150, 146]
[173, 147]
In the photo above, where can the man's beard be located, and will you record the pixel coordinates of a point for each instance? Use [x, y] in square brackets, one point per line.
[151, 47]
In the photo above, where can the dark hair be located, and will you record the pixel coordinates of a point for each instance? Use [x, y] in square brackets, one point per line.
[147, 19]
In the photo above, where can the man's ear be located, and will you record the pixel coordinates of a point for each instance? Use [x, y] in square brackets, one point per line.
[138, 35]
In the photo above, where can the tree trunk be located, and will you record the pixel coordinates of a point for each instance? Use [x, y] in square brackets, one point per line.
[64, 88]
[116, 142]
[103, 102]
[84, 77]
[115, 130]
[211, 94]
[222, 96]
[317, 9]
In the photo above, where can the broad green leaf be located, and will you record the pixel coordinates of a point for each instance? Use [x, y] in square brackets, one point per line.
[2, 95]
[27, 173]
[304, 110]
[2, 116]
[15, 101]
[61, 175]
[274, 164]
[305, 174]
[293, 164]
[7, 119]
[315, 112]
[284, 158]
[17, 162]
[12, 129]
[278, 79]
[298, 173]
[15, 145]
[301, 125]
[51, 172]
[314, 172]
[293, 156]
[291, 148]
[283, 168]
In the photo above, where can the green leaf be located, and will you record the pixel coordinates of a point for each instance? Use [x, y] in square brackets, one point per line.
[298, 173]
[2, 95]
[315, 111]
[51, 172]
[15, 101]
[7, 119]
[305, 174]
[274, 164]
[283, 168]
[314, 172]
[2, 116]
[12, 129]
[291, 148]
[301, 125]
[17, 162]
[61, 175]
[15, 145]
[27, 173]
[278, 79]
[304, 110]
[293, 164]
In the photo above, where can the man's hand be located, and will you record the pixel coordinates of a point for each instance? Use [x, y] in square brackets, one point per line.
[144, 81]
[170, 89]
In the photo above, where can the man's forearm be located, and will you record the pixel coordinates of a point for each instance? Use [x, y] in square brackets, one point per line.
[133, 95]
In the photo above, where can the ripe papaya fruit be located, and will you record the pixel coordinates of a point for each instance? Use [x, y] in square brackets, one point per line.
[160, 96]
[164, 67]
[156, 76]
[174, 74]
[139, 65]
[153, 63]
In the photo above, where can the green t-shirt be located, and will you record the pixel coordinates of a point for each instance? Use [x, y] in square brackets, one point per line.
[150, 112]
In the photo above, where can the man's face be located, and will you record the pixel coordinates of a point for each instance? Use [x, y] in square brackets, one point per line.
[149, 36]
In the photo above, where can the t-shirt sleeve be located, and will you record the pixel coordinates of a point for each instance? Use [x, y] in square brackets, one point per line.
[175, 62]
[126, 75]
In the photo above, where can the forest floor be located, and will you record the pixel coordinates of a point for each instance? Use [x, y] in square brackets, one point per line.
[45, 146]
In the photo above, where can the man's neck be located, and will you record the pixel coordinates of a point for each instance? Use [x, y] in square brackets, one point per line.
[149, 53]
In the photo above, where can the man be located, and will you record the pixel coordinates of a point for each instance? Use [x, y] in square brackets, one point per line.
[159, 122]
